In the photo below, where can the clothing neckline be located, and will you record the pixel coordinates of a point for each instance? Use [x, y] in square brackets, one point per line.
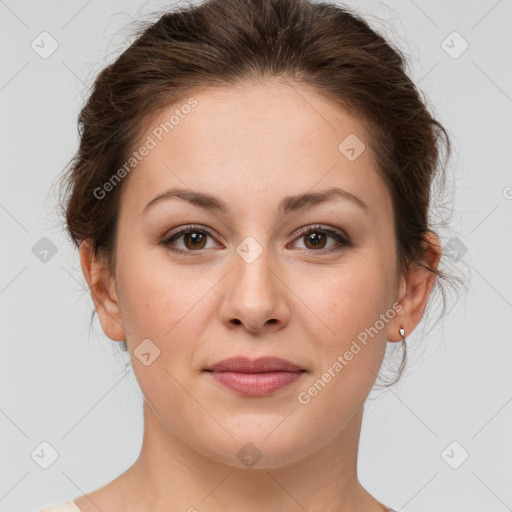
[74, 505]
[76, 509]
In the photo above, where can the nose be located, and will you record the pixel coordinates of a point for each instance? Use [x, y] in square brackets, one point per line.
[254, 297]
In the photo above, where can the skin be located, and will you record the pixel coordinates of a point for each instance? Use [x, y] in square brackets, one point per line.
[251, 146]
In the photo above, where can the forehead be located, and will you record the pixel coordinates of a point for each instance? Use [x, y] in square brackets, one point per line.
[258, 120]
[254, 139]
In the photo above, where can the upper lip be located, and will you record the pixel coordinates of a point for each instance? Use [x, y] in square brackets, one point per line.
[260, 365]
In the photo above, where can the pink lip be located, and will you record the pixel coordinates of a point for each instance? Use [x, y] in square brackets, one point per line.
[257, 377]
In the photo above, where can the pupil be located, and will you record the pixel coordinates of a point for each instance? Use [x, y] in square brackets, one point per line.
[195, 237]
[315, 239]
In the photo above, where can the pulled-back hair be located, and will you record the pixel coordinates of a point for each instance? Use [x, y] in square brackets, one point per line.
[223, 43]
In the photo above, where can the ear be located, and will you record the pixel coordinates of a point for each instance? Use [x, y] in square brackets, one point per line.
[102, 286]
[414, 290]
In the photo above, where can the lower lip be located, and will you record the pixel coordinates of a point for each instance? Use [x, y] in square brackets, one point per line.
[256, 384]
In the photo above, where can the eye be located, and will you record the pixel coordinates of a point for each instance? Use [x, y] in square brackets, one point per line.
[315, 238]
[194, 239]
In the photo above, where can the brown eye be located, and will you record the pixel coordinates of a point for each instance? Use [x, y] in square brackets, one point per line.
[195, 239]
[315, 240]
[187, 240]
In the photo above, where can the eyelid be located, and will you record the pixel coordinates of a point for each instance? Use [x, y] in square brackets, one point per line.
[182, 230]
[331, 231]
[344, 240]
[320, 227]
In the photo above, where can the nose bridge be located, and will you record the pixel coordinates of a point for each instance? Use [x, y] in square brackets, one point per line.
[253, 278]
[254, 295]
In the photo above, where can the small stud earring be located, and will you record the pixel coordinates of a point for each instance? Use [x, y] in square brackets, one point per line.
[402, 332]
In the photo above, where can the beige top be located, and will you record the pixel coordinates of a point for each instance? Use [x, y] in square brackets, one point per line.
[63, 506]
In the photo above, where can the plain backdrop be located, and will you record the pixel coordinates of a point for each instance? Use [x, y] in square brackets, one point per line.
[438, 441]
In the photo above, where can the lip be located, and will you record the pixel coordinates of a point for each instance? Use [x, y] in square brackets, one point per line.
[260, 365]
[255, 377]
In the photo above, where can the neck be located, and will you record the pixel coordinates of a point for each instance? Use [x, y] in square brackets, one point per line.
[170, 474]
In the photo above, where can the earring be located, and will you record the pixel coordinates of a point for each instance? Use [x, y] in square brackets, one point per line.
[402, 332]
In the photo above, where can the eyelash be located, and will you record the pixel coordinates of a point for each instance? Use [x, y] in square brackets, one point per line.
[342, 239]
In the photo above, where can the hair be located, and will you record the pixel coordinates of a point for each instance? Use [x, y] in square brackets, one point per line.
[226, 43]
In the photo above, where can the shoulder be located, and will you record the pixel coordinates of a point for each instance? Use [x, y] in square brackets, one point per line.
[63, 506]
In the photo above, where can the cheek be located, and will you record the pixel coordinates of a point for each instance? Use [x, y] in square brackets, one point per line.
[346, 321]
[351, 298]
[171, 306]
[156, 297]
[161, 304]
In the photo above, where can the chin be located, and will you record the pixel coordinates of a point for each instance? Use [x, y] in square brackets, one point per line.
[256, 448]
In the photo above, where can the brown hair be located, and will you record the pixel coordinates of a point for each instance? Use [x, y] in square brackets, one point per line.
[228, 42]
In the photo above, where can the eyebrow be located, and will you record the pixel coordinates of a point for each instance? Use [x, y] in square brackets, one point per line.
[287, 205]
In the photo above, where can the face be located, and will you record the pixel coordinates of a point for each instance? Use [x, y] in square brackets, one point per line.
[258, 273]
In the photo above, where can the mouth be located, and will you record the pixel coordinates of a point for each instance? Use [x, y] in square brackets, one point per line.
[258, 377]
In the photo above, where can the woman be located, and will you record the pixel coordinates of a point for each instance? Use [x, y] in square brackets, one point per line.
[250, 199]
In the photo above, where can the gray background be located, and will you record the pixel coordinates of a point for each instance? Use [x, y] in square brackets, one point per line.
[73, 390]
